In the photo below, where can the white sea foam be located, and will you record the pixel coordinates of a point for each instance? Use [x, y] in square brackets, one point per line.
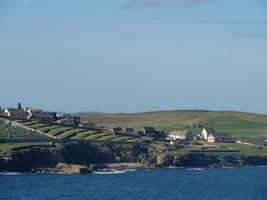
[195, 169]
[173, 167]
[110, 172]
[228, 167]
[129, 170]
[9, 173]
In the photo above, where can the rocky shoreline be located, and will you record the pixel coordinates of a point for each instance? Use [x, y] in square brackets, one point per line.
[80, 158]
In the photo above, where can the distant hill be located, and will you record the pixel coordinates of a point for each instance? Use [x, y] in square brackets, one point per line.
[235, 123]
[88, 113]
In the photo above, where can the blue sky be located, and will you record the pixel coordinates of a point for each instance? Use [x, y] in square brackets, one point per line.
[134, 55]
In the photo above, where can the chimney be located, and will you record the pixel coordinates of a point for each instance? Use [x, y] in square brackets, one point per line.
[19, 106]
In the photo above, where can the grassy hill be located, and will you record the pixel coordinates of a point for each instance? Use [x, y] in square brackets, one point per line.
[235, 123]
[68, 132]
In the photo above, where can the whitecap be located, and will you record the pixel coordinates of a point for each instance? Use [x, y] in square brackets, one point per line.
[129, 170]
[173, 167]
[9, 173]
[195, 169]
[228, 167]
[109, 172]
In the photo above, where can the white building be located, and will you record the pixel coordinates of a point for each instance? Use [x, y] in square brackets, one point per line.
[180, 135]
[206, 132]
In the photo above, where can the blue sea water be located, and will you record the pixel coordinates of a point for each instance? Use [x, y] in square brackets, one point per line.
[159, 184]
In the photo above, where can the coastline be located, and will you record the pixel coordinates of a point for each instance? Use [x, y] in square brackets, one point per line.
[116, 171]
[83, 158]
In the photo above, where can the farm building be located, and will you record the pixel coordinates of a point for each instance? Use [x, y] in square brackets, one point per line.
[15, 113]
[149, 131]
[88, 125]
[1, 112]
[220, 137]
[116, 129]
[71, 121]
[180, 135]
[39, 115]
[152, 132]
[128, 130]
[206, 132]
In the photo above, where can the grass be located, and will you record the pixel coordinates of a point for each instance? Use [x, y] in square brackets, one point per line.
[65, 132]
[8, 131]
[7, 147]
[122, 139]
[58, 131]
[136, 140]
[48, 128]
[238, 127]
[28, 123]
[97, 136]
[83, 134]
[242, 148]
[108, 137]
[235, 123]
[38, 125]
[249, 150]
[70, 133]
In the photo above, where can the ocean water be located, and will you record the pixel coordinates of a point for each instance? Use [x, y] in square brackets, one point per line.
[161, 184]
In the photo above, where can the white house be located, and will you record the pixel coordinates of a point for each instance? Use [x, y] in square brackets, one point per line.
[206, 132]
[180, 135]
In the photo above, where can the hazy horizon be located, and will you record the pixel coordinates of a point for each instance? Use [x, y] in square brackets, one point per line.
[129, 56]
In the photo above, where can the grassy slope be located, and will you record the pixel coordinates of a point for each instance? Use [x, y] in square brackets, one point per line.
[235, 123]
[7, 147]
[66, 132]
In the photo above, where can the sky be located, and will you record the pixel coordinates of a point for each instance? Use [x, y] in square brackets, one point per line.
[134, 55]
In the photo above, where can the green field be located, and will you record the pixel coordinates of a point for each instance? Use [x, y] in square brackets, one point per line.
[8, 131]
[83, 135]
[8, 147]
[235, 123]
[250, 150]
[67, 132]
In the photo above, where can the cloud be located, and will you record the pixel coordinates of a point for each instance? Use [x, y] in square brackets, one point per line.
[142, 4]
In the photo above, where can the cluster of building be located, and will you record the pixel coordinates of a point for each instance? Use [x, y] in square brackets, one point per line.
[208, 134]
[146, 131]
[38, 115]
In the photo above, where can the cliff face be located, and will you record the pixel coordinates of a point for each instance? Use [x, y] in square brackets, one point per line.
[75, 153]
[209, 160]
[26, 160]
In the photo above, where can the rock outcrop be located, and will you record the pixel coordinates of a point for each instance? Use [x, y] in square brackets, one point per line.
[28, 159]
[211, 160]
[77, 157]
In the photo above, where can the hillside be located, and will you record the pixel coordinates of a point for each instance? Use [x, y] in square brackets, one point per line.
[235, 123]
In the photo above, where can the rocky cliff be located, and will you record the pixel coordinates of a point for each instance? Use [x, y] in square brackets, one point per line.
[28, 159]
[85, 154]
[210, 160]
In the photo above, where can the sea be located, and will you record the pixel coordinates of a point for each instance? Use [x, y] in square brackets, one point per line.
[147, 184]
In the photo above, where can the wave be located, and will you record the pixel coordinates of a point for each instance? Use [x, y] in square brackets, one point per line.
[9, 173]
[129, 170]
[110, 172]
[195, 169]
[173, 167]
[228, 167]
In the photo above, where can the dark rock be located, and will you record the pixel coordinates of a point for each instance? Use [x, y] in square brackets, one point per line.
[74, 153]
